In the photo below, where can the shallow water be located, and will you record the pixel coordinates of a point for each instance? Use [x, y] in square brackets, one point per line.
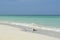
[50, 21]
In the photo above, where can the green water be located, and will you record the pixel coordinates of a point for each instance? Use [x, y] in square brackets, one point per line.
[41, 20]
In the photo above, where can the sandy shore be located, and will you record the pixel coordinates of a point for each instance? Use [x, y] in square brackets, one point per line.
[12, 33]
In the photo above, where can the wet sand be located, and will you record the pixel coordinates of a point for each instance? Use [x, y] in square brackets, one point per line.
[14, 33]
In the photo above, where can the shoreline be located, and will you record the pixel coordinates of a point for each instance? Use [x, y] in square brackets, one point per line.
[11, 33]
[39, 31]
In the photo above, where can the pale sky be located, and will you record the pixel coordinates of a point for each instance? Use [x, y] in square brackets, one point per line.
[30, 7]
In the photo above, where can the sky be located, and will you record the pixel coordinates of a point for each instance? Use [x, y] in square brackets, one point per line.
[29, 7]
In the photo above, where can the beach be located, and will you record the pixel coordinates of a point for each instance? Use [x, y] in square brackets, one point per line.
[13, 33]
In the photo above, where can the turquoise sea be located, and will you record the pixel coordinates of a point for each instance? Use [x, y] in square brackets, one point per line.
[49, 21]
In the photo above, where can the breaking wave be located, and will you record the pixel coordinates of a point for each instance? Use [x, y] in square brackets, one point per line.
[33, 25]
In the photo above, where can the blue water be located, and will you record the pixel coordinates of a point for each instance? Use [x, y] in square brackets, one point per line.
[50, 21]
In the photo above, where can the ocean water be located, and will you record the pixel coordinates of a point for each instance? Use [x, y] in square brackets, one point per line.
[40, 21]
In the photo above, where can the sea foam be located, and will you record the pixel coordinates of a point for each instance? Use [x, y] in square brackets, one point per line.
[33, 25]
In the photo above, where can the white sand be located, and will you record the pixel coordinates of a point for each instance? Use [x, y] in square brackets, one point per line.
[12, 33]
